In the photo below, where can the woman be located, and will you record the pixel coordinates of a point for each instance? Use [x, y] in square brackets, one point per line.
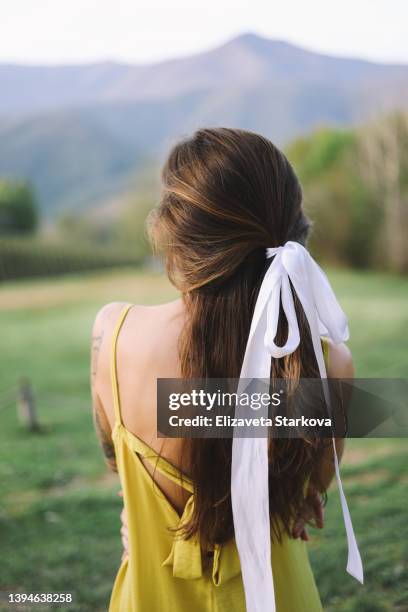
[227, 196]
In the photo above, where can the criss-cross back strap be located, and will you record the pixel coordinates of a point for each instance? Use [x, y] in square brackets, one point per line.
[159, 463]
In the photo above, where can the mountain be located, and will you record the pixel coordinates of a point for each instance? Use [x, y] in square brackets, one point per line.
[80, 133]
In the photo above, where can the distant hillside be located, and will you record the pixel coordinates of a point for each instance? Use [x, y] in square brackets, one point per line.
[80, 133]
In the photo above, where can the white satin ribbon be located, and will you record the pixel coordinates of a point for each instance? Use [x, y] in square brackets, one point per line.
[249, 471]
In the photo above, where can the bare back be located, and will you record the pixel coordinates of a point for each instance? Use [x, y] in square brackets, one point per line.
[147, 349]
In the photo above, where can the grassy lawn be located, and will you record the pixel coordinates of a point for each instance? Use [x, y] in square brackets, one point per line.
[59, 512]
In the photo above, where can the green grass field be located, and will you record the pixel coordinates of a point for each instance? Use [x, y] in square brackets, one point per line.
[59, 509]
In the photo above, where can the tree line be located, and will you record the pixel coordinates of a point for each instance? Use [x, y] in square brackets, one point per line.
[355, 185]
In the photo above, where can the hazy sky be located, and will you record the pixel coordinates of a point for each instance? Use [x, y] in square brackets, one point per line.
[57, 31]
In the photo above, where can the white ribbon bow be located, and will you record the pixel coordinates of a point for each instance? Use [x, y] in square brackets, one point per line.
[249, 472]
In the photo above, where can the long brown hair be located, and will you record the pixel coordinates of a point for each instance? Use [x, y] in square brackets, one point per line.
[227, 195]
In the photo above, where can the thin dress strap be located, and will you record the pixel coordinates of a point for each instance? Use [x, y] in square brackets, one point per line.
[137, 444]
[114, 372]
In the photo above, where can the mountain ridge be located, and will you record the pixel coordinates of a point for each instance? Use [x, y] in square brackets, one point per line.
[80, 134]
[241, 60]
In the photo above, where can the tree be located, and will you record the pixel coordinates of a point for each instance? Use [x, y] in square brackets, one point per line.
[18, 208]
[356, 192]
[384, 162]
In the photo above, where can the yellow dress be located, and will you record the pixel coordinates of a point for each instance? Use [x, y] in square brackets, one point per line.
[166, 574]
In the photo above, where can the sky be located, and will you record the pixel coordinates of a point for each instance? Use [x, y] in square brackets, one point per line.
[79, 31]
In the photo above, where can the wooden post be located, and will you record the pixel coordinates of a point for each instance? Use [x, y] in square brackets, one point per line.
[26, 408]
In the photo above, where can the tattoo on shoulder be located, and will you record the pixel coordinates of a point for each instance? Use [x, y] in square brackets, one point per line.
[96, 347]
[105, 442]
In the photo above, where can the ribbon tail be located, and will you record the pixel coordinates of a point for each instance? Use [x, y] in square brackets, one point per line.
[249, 481]
[354, 563]
[252, 528]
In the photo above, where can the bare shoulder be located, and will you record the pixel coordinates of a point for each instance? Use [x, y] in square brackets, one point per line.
[106, 316]
[146, 349]
[145, 326]
[340, 361]
[106, 319]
